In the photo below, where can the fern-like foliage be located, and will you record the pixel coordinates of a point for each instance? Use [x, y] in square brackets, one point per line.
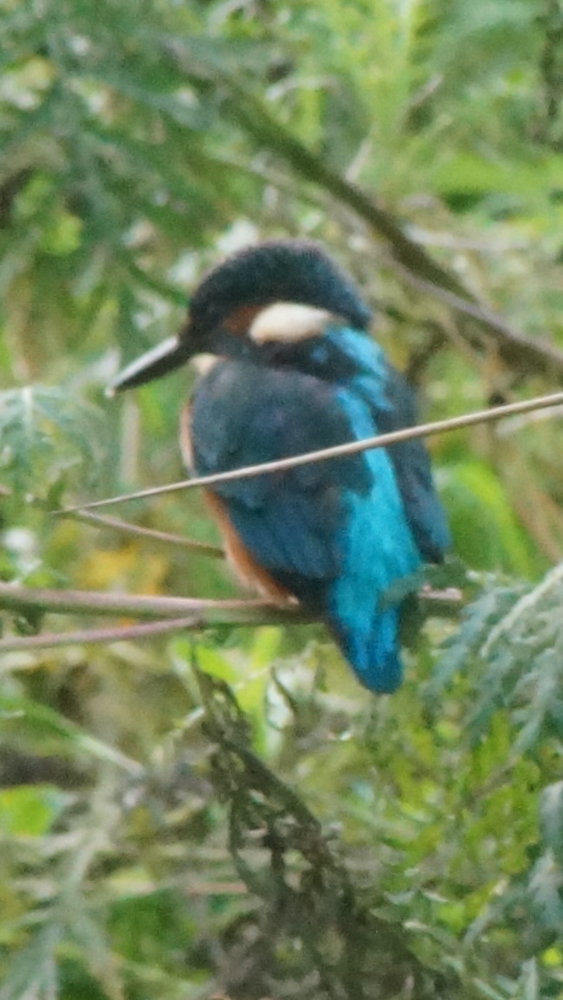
[47, 440]
[510, 642]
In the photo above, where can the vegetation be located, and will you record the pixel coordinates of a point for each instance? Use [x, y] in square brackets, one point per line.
[223, 811]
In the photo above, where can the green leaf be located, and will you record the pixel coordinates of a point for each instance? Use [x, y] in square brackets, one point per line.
[52, 729]
[30, 811]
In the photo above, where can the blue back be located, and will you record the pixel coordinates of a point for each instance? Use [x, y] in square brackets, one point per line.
[379, 548]
[339, 533]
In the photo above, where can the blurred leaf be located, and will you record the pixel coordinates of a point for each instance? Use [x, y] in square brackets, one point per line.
[46, 725]
[30, 811]
[552, 819]
[486, 532]
[46, 436]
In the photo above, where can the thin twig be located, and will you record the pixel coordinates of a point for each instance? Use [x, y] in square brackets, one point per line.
[127, 527]
[517, 347]
[337, 451]
[160, 536]
[82, 637]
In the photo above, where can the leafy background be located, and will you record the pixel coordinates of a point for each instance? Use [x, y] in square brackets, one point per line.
[228, 813]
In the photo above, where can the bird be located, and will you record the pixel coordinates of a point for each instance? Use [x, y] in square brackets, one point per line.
[292, 367]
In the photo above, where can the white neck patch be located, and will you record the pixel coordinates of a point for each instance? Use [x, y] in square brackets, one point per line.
[203, 363]
[288, 322]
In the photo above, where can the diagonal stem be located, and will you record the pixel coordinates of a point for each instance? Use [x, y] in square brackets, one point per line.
[337, 451]
[525, 353]
[81, 637]
[98, 520]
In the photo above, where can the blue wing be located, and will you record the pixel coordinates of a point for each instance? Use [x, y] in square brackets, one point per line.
[334, 533]
[392, 403]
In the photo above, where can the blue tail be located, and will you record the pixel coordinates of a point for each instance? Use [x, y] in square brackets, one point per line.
[372, 649]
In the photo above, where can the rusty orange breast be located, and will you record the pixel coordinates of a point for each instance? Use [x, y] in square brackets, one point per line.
[250, 573]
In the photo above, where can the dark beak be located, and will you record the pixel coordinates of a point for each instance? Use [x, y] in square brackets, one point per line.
[161, 360]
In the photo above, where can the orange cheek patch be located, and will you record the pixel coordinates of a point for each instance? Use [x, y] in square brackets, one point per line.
[245, 566]
[239, 320]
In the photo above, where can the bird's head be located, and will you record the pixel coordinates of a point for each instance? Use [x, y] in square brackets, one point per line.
[278, 291]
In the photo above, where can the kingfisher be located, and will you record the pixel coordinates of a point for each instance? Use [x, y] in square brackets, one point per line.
[294, 369]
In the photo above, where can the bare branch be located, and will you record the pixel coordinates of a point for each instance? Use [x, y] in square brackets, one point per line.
[117, 524]
[337, 451]
[81, 637]
[203, 612]
[202, 548]
[519, 350]
[171, 613]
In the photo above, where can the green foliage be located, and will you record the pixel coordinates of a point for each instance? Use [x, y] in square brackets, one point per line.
[230, 813]
[511, 636]
[47, 440]
[360, 854]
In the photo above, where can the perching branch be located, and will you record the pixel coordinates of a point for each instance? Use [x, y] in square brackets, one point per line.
[170, 613]
[337, 451]
[203, 612]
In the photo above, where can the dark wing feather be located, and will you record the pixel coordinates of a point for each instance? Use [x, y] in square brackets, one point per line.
[411, 462]
[243, 414]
